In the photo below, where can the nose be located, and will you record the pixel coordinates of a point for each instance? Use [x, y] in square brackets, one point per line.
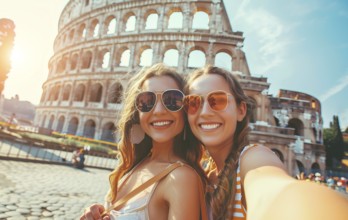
[205, 108]
[159, 107]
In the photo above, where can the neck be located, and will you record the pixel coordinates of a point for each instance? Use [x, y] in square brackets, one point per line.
[163, 152]
[219, 155]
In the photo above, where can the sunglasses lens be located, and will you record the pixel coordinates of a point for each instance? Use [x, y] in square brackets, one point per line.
[173, 100]
[217, 100]
[145, 101]
[192, 103]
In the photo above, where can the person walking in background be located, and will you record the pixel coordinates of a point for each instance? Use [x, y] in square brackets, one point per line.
[154, 136]
[247, 181]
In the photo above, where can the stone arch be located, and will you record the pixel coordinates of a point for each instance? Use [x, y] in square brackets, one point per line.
[96, 92]
[196, 58]
[123, 57]
[86, 59]
[110, 25]
[145, 56]
[151, 19]
[253, 110]
[115, 93]
[297, 124]
[300, 166]
[103, 59]
[71, 35]
[108, 132]
[94, 29]
[61, 65]
[175, 18]
[61, 121]
[66, 92]
[223, 60]
[315, 168]
[73, 125]
[89, 129]
[56, 92]
[200, 20]
[276, 120]
[279, 154]
[73, 61]
[171, 57]
[79, 93]
[50, 122]
[43, 121]
[81, 31]
[129, 21]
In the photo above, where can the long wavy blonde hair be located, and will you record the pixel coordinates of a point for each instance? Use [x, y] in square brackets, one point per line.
[130, 154]
[223, 196]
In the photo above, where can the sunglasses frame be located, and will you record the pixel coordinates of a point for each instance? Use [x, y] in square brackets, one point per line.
[204, 98]
[161, 97]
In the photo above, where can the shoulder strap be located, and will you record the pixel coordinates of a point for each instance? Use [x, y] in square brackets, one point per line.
[151, 181]
[143, 186]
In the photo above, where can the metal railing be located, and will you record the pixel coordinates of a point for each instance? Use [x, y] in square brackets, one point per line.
[16, 149]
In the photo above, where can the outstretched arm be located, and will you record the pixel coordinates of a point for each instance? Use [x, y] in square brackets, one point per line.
[272, 194]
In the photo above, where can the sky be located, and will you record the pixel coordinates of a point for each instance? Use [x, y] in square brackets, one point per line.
[298, 45]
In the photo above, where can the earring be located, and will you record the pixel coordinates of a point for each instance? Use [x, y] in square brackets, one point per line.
[137, 134]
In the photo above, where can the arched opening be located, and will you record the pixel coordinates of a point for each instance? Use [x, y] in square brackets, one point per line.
[108, 132]
[279, 154]
[94, 29]
[200, 20]
[115, 93]
[171, 57]
[106, 60]
[146, 57]
[315, 168]
[253, 110]
[151, 21]
[297, 125]
[276, 120]
[223, 60]
[73, 124]
[79, 93]
[56, 93]
[50, 123]
[96, 93]
[71, 35]
[89, 129]
[124, 61]
[111, 25]
[60, 125]
[66, 92]
[175, 20]
[300, 166]
[86, 60]
[43, 121]
[196, 59]
[130, 24]
[73, 61]
[81, 33]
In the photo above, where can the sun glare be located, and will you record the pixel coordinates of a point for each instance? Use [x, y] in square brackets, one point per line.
[16, 56]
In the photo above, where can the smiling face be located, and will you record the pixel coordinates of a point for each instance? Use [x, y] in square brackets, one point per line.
[215, 129]
[161, 124]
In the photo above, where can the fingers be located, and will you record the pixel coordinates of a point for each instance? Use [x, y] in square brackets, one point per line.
[94, 212]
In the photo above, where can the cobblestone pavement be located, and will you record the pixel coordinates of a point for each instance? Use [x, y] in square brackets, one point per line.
[43, 191]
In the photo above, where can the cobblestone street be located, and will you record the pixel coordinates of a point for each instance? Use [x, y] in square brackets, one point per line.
[43, 191]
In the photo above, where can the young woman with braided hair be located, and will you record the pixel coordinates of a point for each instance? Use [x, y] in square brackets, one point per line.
[247, 180]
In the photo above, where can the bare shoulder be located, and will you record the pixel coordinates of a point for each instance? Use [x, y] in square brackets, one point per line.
[258, 156]
[183, 174]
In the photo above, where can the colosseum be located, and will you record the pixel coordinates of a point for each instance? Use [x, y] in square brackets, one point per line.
[102, 43]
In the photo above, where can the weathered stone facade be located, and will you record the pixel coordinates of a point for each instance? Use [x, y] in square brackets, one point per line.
[102, 43]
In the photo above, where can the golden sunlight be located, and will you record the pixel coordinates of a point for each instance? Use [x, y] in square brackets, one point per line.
[16, 56]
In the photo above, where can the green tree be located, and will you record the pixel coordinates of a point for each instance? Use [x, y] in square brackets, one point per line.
[334, 144]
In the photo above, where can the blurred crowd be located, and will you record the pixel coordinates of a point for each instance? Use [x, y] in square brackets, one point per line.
[333, 182]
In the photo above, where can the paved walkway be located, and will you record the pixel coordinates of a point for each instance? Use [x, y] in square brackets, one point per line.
[43, 191]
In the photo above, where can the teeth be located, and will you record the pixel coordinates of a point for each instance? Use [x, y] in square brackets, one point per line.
[161, 123]
[209, 126]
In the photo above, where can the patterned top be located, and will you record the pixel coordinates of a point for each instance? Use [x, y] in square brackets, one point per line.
[237, 208]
